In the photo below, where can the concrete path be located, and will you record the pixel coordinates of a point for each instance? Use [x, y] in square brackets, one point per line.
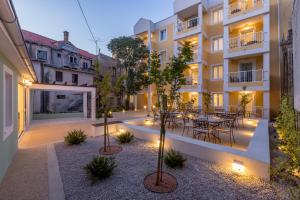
[27, 176]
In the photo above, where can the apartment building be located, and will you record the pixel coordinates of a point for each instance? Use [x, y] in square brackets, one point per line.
[236, 48]
[61, 63]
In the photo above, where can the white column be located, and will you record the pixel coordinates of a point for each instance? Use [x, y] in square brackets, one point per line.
[135, 102]
[200, 14]
[226, 41]
[175, 50]
[225, 10]
[149, 99]
[200, 100]
[266, 32]
[226, 74]
[93, 104]
[266, 71]
[27, 108]
[200, 77]
[226, 101]
[266, 111]
[85, 105]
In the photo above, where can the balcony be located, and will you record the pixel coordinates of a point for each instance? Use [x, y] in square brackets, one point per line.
[246, 76]
[186, 26]
[243, 7]
[246, 41]
[191, 84]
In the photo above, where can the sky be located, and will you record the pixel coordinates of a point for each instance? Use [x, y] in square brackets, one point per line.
[108, 18]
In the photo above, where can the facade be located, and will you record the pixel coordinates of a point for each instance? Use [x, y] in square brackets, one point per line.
[16, 74]
[61, 63]
[296, 52]
[236, 51]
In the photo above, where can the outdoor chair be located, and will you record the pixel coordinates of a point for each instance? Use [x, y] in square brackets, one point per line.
[187, 124]
[227, 128]
[201, 127]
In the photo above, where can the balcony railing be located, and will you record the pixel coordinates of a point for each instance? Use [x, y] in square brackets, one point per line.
[251, 111]
[185, 26]
[248, 40]
[246, 76]
[190, 80]
[242, 7]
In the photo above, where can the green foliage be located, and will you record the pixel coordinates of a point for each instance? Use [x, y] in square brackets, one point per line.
[174, 159]
[207, 101]
[132, 55]
[75, 137]
[124, 138]
[245, 100]
[100, 168]
[289, 142]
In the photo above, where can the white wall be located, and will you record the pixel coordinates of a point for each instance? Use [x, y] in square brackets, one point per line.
[296, 42]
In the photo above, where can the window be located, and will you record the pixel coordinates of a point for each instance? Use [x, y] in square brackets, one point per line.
[217, 44]
[60, 96]
[84, 65]
[163, 35]
[114, 72]
[41, 55]
[75, 78]
[58, 76]
[218, 100]
[8, 102]
[73, 60]
[58, 55]
[217, 72]
[217, 16]
[163, 57]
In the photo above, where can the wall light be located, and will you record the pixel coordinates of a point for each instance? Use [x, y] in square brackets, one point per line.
[123, 110]
[27, 82]
[122, 130]
[238, 167]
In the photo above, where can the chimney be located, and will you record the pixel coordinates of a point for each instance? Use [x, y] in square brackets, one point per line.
[66, 36]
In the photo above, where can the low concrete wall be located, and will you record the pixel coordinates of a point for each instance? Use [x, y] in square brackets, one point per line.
[42, 116]
[256, 159]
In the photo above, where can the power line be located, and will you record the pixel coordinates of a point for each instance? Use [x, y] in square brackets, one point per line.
[87, 23]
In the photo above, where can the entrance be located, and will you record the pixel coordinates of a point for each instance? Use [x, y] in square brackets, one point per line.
[21, 109]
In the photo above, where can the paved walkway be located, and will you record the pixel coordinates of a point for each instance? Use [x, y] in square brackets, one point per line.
[30, 175]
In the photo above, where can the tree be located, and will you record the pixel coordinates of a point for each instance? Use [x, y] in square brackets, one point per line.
[132, 55]
[103, 85]
[120, 88]
[167, 80]
[207, 100]
[245, 100]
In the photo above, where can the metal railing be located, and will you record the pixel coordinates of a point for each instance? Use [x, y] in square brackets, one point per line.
[246, 40]
[188, 24]
[251, 111]
[189, 80]
[241, 7]
[246, 76]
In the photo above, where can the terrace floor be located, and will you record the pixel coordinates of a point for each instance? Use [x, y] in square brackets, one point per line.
[242, 134]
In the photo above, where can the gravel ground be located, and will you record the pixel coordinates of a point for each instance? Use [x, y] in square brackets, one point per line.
[197, 180]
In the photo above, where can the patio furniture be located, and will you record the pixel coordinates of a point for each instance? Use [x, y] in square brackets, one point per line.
[187, 124]
[227, 128]
[201, 127]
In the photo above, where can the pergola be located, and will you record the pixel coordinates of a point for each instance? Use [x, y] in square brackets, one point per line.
[67, 88]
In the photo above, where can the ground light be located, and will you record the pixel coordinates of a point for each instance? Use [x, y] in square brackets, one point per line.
[238, 167]
[148, 122]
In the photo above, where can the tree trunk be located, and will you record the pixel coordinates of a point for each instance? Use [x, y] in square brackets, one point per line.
[127, 103]
[105, 132]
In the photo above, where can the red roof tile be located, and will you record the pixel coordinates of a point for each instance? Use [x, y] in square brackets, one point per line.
[33, 37]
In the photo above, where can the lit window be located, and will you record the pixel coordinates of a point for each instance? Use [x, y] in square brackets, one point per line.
[8, 102]
[217, 16]
[218, 100]
[163, 35]
[217, 72]
[217, 44]
[163, 57]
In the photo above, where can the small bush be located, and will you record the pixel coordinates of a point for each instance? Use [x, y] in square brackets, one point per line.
[100, 168]
[75, 137]
[174, 159]
[125, 138]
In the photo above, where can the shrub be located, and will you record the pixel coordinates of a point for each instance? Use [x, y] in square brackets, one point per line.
[174, 159]
[75, 137]
[100, 168]
[125, 138]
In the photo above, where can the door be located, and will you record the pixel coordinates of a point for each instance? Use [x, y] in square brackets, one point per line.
[21, 109]
[246, 72]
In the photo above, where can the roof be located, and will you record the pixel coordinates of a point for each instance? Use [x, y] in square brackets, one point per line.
[42, 40]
